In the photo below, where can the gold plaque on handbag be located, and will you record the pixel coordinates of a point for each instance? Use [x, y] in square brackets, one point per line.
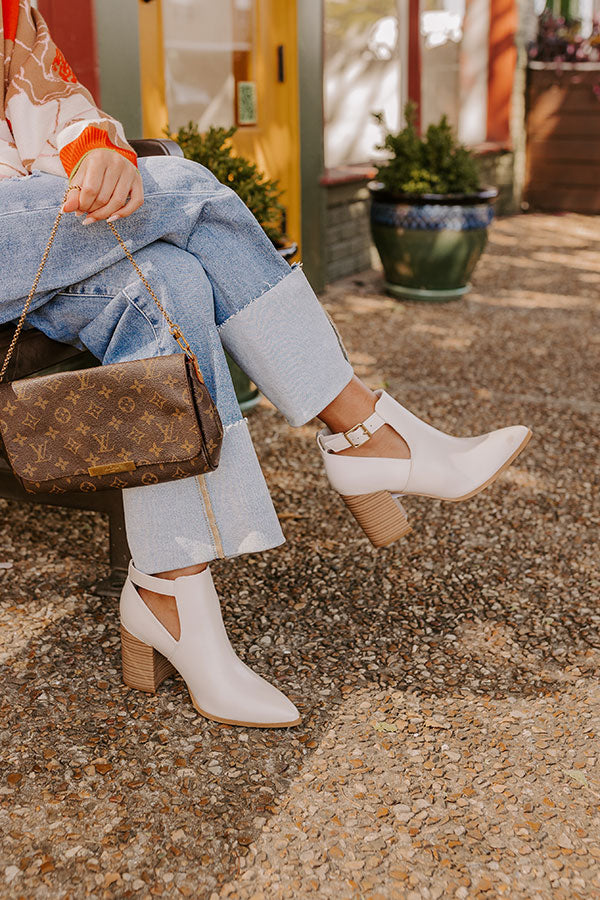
[116, 426]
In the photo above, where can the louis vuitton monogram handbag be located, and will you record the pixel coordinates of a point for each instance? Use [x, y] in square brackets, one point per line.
[116, 426]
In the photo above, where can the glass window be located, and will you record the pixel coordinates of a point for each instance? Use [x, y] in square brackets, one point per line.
[441, 35]
[362, 75]
[209, 62]
[364, 70]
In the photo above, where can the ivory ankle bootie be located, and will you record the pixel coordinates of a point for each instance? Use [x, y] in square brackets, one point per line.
[440, 466]
[222, 687]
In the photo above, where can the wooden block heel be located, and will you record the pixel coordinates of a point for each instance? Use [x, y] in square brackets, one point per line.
[380, 516]
[144, 668]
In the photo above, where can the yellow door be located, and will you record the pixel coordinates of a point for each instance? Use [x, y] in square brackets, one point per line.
[225, 63]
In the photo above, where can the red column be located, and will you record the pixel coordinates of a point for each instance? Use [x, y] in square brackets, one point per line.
[74, 31]
[502, 67]
[414, 55]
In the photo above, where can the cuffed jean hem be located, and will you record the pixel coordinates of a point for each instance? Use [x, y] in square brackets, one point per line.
[223, 514]
[286, 343]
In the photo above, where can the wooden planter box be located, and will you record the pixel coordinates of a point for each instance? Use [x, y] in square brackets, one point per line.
[563, 137]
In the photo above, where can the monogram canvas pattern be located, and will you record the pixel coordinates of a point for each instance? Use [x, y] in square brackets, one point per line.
[110, 427]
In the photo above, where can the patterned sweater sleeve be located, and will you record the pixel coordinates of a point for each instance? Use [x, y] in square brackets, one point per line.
[51, 116]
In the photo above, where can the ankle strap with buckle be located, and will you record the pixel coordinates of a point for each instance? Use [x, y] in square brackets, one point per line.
[151, 582]
[354, 437]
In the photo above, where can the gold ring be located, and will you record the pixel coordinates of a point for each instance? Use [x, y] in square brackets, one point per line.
[74, 187]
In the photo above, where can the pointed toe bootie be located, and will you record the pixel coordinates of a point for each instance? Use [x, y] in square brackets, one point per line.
[221, 686]
[440, 466]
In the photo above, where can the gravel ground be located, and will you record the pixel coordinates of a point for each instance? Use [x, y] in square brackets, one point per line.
[449, 685]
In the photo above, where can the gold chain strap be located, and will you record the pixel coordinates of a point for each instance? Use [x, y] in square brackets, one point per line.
[173, 327]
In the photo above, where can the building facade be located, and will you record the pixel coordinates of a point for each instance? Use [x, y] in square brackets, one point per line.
[300, 79]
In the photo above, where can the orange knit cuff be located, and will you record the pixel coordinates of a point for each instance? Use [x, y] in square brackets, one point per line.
[93, 138]
[10, 10]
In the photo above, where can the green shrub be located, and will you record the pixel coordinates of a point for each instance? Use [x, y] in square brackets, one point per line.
[261, 195]
[434, 164]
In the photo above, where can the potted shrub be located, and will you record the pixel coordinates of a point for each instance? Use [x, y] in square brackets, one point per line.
[429, 212]
[261, 195]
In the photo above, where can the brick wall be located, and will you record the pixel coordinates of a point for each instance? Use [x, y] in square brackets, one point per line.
[347, 229]
[497, 168]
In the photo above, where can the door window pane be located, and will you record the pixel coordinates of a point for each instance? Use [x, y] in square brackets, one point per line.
[209, 61]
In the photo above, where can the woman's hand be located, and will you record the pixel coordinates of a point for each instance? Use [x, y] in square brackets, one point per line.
[111, 187]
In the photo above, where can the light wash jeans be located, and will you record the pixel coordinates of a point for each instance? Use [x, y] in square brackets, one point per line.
[221, 280]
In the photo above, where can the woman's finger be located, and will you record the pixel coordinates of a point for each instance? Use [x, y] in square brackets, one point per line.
[120, 206]
[96, 186]
[72, 202]
[112, 175]
[135, 201]
[116, 201]
[90, 176]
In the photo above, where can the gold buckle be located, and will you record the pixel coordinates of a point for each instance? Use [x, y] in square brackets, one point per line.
[356, 427]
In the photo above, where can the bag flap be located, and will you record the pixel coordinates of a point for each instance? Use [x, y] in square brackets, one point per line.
[138, 413]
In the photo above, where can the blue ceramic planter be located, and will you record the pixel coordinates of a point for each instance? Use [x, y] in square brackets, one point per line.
[429, 245]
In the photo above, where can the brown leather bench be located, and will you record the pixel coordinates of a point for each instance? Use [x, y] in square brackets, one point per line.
[36, 354]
